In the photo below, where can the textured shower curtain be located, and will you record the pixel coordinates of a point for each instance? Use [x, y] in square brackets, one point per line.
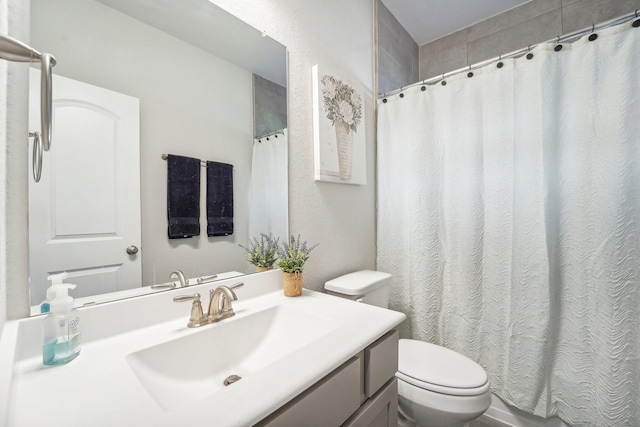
[509, 216]
[269, 195]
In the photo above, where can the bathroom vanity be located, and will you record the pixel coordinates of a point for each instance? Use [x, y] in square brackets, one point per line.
[362, 392]
[310, 360]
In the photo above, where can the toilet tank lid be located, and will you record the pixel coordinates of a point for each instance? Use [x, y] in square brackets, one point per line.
[357, 283]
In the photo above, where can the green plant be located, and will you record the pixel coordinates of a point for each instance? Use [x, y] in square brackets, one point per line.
[263, 252]
[293, 255]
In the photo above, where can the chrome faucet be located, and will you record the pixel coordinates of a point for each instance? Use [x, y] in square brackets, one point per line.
[220, 300]
[177, 274]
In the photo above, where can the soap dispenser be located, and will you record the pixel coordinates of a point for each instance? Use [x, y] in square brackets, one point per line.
[45, 307]
[61, 329]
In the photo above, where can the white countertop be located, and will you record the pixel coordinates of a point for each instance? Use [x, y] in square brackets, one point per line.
[99, 388]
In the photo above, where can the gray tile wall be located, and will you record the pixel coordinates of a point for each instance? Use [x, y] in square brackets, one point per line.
[269, 106]
[397, 53]
[531, 23]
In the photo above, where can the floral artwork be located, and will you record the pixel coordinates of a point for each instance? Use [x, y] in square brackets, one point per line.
[341, 102]
[339, 139]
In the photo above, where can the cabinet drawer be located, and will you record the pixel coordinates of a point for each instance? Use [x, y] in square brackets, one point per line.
[379, 411]
[381, 362]
[327, 403]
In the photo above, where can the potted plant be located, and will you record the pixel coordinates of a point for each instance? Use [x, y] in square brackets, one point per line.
[262, 253]
[293, 255]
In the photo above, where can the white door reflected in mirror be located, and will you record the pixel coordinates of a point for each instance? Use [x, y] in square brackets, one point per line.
[85, 212]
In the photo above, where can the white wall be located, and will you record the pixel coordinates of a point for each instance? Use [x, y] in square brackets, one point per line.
[13, 169]
[191, 103]
[3, 174]
[339, 35]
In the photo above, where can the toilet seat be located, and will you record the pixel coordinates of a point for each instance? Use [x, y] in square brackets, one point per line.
[438, 369]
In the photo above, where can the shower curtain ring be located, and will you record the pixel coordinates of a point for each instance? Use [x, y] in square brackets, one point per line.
[636, 23]
[558, 47]
[529, 55]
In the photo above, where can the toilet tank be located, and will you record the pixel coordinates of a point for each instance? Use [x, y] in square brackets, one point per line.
[368, 286]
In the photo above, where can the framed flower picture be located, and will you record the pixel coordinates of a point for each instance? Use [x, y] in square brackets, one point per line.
[338, 130]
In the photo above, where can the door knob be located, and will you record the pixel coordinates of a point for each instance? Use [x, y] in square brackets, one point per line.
[132, 250]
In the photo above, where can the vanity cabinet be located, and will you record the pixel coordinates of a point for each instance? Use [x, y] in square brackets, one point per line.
[362, 392]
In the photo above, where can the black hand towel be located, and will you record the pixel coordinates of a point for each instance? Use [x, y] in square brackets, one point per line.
[219, 199]
[183, 196]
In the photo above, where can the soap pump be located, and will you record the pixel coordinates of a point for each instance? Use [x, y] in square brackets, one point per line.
[45, 306]
[61, 329]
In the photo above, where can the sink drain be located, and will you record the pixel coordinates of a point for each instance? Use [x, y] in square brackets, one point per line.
[232, 379]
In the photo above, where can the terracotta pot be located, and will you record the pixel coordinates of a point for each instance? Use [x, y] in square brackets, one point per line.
[292, 284]
[259, 269]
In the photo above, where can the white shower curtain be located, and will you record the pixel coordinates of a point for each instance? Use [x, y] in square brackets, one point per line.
[269, 196]
[509, 216]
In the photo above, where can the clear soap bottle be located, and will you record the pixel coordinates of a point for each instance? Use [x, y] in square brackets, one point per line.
[61, 329]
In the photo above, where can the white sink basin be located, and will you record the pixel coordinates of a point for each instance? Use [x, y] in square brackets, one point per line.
[190, 368]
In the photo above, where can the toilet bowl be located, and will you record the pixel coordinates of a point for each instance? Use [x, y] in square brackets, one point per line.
[437, 387]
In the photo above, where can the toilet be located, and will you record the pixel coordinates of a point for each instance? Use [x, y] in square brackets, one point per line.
[437, 387]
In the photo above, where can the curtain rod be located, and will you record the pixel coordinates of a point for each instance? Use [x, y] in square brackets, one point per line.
[517, 53]
[267, 135]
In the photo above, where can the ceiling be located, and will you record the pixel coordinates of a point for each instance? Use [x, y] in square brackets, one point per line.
[428, 20]
[230, 38]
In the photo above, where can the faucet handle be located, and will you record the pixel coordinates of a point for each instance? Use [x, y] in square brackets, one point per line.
[183, 298]
[236, 285]
[202, 280]
[197, 316]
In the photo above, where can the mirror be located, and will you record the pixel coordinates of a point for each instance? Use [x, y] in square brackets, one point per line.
[199, 78]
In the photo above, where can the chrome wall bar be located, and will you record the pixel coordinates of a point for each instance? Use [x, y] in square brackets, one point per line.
[203, 163]
[16, 51]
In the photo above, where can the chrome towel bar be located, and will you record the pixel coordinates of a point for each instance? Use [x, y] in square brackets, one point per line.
[16, 51]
